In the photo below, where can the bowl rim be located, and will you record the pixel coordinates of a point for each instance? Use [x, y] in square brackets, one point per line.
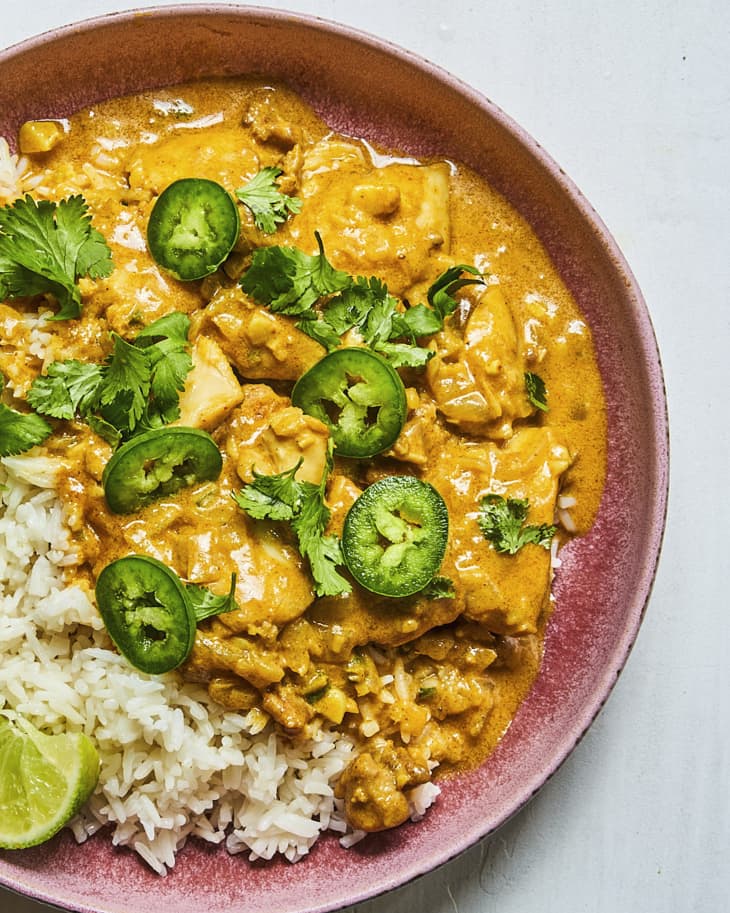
[650, 350]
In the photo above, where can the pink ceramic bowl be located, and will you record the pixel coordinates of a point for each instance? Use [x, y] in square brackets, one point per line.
[370, 88]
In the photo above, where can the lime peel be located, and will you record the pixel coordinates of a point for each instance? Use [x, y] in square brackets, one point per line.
[44, 781]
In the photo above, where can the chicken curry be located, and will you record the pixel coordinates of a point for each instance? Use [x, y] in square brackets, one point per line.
[496, 420]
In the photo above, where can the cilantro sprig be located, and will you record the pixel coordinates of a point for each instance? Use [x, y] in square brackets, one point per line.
[137, 387]
[19, 431]
[502, 520]
[291, 282]
[268, 205]
[367, 306]
[301, 504]
[330, 303]
[46, 247]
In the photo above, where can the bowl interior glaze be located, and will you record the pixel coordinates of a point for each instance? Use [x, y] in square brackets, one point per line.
[367, 87]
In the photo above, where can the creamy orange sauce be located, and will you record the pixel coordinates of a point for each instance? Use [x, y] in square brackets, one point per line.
[417, 681]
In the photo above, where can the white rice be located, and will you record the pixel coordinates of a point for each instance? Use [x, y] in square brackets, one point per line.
[12, 169]
[174, 763]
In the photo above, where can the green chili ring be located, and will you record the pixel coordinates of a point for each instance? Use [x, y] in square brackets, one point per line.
[359, 396]
[394, 536]
[192, 228]
[159, 463]
[147, 613]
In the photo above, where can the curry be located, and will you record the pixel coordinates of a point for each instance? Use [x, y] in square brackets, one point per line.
[421, 681]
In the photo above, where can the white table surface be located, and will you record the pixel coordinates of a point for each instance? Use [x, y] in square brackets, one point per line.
[632, 98]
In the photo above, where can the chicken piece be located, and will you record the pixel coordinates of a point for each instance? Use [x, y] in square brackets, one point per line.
[415, 442]
[288, 708]
[478, 378]
[138, 292]
[391, 221]
[259, 344]
[211, 389]
[225, 155]
[268, 125]
[373, 786]
[273, 585]
[215, 651]
[341, 495]
[233, 692]
[505, 593]
[346, 622]
[443, 644]
[457, 692]
[268, 434]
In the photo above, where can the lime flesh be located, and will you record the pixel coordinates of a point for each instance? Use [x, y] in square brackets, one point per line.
[44, 781]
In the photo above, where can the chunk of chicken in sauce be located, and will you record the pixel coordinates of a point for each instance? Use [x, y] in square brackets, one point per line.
[389, 219]
[506, 593]
[477, 375]
[416, 682]
[260, 345]
[374, 786]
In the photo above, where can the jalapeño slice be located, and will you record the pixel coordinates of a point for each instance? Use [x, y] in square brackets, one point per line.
[359, 396]
[192, 228]
[145, 609]
[394, 537]
[159, 463]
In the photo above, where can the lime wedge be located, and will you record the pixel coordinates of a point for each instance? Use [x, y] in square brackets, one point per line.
[44, 781]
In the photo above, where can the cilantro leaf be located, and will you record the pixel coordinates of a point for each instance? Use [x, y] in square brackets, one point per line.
[67, 389]
[422, 320]
[19, 431]
[440, 293]
[352, 307]
[404, 355]
[106, 431]
[126, 384]
[274, 497]
[502, 520]
[46, 247]
[174, 326]
[269, 206]
[206, 604]
[324, 554]
[289, 281]
[169, 363]
[321, 332]
[379, 322]
[283, 497]
[385, 323]
[536, 391]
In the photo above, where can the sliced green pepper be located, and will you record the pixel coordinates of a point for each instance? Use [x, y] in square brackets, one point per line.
[394, 536]
[360, 398]
[159, 463]
[145, 609]
[192, 228]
